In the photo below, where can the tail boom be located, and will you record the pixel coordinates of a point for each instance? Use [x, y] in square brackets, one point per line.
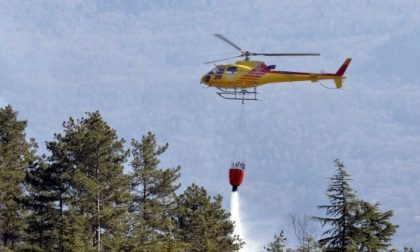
[287, 76]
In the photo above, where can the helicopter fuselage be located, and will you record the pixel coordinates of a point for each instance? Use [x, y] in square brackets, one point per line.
[248, 74]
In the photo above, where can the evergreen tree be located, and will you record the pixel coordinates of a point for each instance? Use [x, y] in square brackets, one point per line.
[356, 225]
[42, 221]
[154, 198]
[341, 219]
[203, 222]
[58, 184]
[89, 158]
[278, 244]
[49, 188]
[374, 228]
[16, 154]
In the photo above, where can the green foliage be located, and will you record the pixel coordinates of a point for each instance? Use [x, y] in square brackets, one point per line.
[80, 198]
[203, 222]
[356, 225]
[16, 154]
[44, 217]
[342, 201]
[99, 188]
[374, 228]
[278, 244]
[154, 197]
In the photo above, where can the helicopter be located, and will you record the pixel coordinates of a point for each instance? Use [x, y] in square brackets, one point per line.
[239, 81]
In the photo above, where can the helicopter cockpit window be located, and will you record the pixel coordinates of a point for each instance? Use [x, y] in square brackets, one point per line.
[231, 69]
[212, 71]
[220, 69]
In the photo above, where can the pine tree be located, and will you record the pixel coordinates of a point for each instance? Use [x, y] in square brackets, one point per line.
[278, 244]
[42, 221]
[58, 184]
[154, 193]
[341, 220]
[49, 192]
[204, 223]
[90, 157]
[16, 154]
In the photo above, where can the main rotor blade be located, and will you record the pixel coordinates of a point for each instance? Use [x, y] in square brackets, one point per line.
[214, 61]
[286, 54]
[220, 36]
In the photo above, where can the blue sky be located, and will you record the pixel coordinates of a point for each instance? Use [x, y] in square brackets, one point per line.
[139, 64]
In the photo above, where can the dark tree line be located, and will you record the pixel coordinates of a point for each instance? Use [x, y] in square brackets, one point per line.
[79, 198]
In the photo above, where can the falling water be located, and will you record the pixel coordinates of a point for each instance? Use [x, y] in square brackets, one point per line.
[235, 216]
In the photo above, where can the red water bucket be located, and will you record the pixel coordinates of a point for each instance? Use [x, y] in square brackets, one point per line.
[236, 176]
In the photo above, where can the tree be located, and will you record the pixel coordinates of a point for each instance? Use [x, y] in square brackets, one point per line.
[203, 222]
[278, 244]
[356, 225]
[16, 154]
[90, 158]
[374, 228]
[341, 219]
[304, 233]
[43, 220]
[154, 197]
[49, 183]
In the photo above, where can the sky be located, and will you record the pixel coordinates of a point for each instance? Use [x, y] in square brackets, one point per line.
[139, 63]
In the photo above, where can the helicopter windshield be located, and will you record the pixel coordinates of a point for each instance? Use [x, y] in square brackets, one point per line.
[217, 70]
[212, 71]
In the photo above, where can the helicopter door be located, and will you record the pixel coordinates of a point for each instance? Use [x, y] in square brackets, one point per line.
[230, 72]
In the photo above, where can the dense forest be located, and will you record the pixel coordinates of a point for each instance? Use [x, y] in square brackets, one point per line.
[92, 191]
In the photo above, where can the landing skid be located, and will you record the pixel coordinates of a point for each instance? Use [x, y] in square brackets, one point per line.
[238, 94]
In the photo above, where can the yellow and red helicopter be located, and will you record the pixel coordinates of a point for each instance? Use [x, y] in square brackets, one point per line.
[239, 81]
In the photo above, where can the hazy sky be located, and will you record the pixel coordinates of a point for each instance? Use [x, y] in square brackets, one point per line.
[139, 64]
